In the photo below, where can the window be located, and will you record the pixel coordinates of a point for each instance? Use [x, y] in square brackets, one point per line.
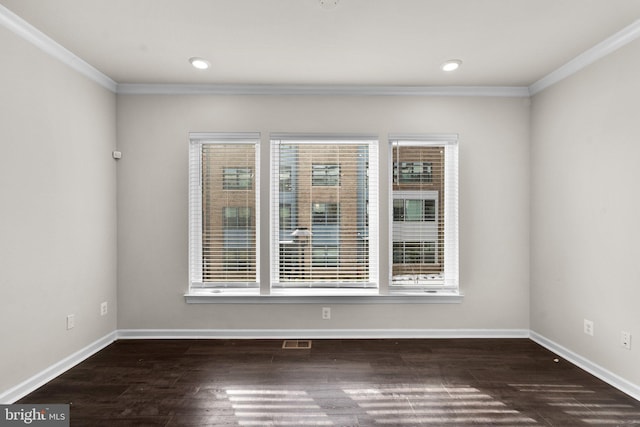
[223, 210]
[236, 217]
[324, 256]
[285, 217]
[424, 228]
[414, 210]
[324, 234]
[238, 260]
[331, 212]
[236, 178]
[412, 172]
[414, 252]
[325, 175]
[285, 179]
[324, 213]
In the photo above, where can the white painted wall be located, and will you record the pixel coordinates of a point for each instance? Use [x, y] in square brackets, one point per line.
[58, 210]
[152, 206]
[585, 210]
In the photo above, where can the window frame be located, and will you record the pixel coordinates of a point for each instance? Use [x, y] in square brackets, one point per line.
[280, 287]
[196, 141]
[449, 282]
[383, 292]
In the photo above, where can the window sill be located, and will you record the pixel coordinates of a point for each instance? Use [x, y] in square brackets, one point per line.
[320, 296]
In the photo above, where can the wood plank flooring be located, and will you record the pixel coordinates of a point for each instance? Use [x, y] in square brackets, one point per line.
[460, 382]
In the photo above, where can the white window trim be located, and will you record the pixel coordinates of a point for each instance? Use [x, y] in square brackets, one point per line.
[223, 297]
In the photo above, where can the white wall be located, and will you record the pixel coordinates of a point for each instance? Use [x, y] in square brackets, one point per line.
[152, 206]
[58, 210]
[585, 256]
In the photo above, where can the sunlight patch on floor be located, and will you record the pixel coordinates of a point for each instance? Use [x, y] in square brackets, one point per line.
[551, 388]
[269, 407]
[574, 400]
[435, 405]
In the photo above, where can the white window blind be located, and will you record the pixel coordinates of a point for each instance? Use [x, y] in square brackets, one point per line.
[224, 210]
[324, 212]
[424, 217]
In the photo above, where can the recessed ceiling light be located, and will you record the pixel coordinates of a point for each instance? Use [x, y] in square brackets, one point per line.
[328, 4]
[451, 65]
[199, 63]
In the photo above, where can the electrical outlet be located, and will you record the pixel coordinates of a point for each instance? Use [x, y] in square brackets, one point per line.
[588, 327]
[104, 309]
[71, 321]
[625, 340]
[326, 313]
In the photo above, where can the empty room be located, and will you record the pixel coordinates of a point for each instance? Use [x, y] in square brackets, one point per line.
[319, 212]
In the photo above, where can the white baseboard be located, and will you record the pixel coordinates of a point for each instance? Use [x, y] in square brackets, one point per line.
[318, 333]
[43, 377]
[605, 375]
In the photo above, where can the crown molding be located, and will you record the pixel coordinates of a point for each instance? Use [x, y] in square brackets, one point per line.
[36, 37]
[331, 90]
[602, 49]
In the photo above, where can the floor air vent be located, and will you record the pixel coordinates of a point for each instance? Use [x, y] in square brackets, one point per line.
[296, 344]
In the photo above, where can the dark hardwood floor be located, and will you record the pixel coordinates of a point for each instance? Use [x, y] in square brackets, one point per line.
[512, 382]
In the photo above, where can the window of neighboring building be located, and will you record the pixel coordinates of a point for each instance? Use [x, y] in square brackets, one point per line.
[324, 213]
[412, 172]
[237, 178]
[223, 210]
[285, 217]
[285, 179]
[324, 256]
[424, 189]
[414, 252]
[325, 175]
[329, 212]
[236, 217]
[238, 260]
[414, 210]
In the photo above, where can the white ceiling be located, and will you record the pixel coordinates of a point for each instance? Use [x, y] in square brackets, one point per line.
[300, 42]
